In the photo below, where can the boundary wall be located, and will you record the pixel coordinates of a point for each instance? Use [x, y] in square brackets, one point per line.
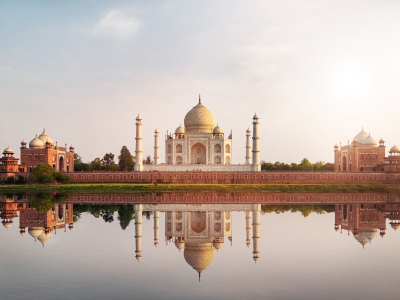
[236, 177]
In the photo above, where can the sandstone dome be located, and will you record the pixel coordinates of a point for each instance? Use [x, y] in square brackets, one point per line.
[199, 120]
[366, 235]
[199, 255]
[43, 237]
[361, 136]
[35, 232]
[8, 150]
[369, 141]
[394, 149]
[395, 226]
[7, 224]
[36, 143]
[44, 137]
[218, 130]
[180, 130]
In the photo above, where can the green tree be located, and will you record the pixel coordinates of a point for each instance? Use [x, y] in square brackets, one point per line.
[108, 159]
[147, 161]
[125, 159]
[305, 165]
[96, 164]
[61, 177]
[46, 178]
[10, 180]
[43, 202]
[40, 170]
[77, 158]
[125, 215]
[268, 166]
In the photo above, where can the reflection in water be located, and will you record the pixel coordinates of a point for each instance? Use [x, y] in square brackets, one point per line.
[198, 229]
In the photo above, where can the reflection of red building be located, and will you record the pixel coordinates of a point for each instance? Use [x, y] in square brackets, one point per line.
[392, 212]
[9, 209]
[363, 220]
[41, 225]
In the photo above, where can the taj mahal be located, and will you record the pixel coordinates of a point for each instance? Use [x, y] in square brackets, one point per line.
[199, 145]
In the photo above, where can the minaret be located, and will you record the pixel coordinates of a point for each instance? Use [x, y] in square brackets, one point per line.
[248, 147]
[138, 230]
[256, 233]
[156, 148]
[156, 217]
[248, 228]
[139, 158]
[256, 148]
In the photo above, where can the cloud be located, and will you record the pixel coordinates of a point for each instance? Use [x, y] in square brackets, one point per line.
[116, 24]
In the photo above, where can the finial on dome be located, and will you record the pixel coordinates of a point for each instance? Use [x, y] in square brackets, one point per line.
[199, 99]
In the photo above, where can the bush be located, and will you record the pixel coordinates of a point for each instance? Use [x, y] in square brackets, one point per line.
[61, 177]
[20, 180]
[46, 178]
[40, 170]
[10, 180]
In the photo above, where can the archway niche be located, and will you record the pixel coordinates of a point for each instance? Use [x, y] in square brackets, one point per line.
[178, 148]
[198, 154]
[179, 159]
[227, 160]
[61, 164]
[217, 160]
[344, 161]
[227, 149]
[198, 221]
[217, 148]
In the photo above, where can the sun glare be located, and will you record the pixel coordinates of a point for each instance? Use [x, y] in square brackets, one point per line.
[350, 81]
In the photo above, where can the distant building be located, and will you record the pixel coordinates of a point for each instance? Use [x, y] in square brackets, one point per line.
[365, 155]
[9, 164]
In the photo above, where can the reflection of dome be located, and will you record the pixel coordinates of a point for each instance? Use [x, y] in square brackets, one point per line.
[8, 150]
[394, 149]
[199, 119]
[369, 141]
[395, 226]
[43, 237]
[217, 245]
[366, 235]
[180, 130]
[7, 224]
[218, 130]
[45, 138]
[36, 143]
[361, 136]
[35, 232]
[179, 244]
[199, 255]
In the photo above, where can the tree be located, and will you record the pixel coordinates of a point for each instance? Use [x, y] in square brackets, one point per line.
[96, 164]
[40, 170]
[125, 215]
[305, 165]
[125, 159]
[108, 159]
[147, 161]
[77, 158]
[61, 177]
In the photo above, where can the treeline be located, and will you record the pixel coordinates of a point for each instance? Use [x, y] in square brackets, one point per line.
[125, 213]
[305, 210]
[304, 165]
[126, 161]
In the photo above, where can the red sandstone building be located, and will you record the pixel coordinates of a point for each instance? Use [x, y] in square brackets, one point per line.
[365, 155]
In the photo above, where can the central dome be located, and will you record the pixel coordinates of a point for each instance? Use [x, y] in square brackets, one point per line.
[199, 120]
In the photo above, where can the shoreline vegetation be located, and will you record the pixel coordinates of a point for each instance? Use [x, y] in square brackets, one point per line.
[143, 188]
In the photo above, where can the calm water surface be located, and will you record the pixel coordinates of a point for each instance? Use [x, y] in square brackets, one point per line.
[346, 250]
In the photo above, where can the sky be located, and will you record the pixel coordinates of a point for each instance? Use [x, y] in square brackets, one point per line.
[314, 71]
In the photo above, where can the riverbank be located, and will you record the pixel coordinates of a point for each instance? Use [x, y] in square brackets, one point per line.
[135, 188]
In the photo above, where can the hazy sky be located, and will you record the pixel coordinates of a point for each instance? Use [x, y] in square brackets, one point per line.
[314, 71]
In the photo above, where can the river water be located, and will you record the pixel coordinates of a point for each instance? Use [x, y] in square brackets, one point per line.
[80, 250]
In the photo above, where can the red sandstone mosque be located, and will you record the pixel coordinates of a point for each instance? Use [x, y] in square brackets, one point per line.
[365, 155]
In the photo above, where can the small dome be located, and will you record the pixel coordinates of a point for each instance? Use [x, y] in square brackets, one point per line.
[366, 235]
[180, 130]
[218, 130]
[381, 141]
[8, 150]
[45, 138]
[23, 142]
[43, 237]
[336, 146]
[35, 232]
[217, 245]
[361, 136]
[394, 149]
[36, 143]
[71, 147]
[179, 245]
[7, 224]
[369, 141]
[395, 226]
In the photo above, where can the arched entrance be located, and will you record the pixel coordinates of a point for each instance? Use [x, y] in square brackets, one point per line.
[344, 160]
[198, 221]
[61, 164]
[198, 154]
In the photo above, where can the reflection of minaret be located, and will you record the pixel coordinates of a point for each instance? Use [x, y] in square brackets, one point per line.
[248, 228]
[156, 226]
[256, 233]
[138, 230]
